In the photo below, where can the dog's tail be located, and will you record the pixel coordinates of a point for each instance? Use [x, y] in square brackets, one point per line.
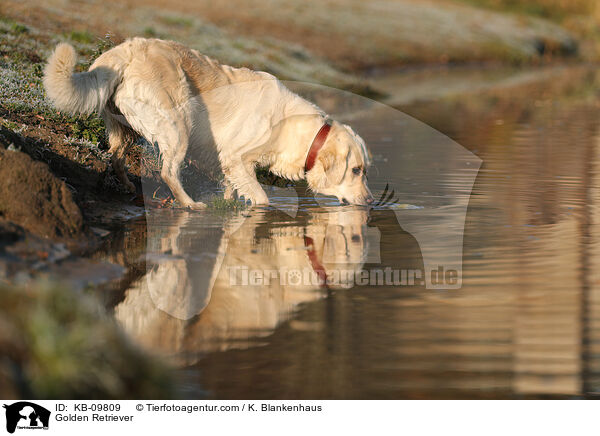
[77, 93]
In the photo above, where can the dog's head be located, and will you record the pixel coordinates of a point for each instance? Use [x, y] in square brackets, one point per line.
[345, 243]
[341, 167]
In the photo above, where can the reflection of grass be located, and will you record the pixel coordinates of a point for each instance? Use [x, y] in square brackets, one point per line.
[571, 90]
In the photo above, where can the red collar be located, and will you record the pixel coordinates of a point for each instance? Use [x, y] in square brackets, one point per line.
[316, 146]
[314, 261]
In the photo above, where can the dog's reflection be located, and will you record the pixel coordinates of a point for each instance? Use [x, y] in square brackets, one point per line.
[214, 284]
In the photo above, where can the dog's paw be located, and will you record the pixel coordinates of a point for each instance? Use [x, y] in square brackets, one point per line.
[259, 200]
[255, 198]
[197, 205]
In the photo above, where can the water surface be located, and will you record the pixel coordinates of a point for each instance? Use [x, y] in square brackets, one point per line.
[522, 319]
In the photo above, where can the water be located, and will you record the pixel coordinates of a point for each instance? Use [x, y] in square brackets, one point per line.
[514, 313]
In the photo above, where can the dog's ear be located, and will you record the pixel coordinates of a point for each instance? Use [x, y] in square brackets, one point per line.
[334, 165]
[368, 157]
[329, 168]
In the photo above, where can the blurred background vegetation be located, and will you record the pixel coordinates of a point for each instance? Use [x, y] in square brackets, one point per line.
[333, 42]
[582, 17]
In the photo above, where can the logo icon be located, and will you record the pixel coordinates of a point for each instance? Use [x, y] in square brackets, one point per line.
[26, 415]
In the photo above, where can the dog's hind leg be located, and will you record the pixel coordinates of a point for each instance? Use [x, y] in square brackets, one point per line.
[170, 173]
[119, 140]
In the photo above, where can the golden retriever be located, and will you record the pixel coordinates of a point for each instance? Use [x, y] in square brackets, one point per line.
[234, 118]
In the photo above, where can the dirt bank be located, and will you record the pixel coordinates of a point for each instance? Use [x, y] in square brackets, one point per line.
[33, 197]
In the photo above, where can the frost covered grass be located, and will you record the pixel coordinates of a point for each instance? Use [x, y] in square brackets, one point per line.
[21, 71]
[20, 74]
[21, 88]
[21, 91]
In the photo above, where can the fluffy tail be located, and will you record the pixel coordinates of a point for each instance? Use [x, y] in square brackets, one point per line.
[77, 93]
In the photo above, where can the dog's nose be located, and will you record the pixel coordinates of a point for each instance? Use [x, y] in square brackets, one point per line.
[369, 200]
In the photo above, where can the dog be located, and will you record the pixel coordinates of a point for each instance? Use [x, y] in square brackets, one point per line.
[235, 118]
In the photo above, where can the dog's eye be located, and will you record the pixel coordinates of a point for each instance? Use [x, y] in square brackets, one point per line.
[356, 170]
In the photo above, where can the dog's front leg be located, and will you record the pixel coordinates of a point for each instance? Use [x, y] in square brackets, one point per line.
[243, 179]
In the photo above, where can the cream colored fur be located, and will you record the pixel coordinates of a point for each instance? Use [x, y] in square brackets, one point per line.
[234, 118]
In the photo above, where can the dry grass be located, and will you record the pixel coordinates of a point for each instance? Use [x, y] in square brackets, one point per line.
[358, 34]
